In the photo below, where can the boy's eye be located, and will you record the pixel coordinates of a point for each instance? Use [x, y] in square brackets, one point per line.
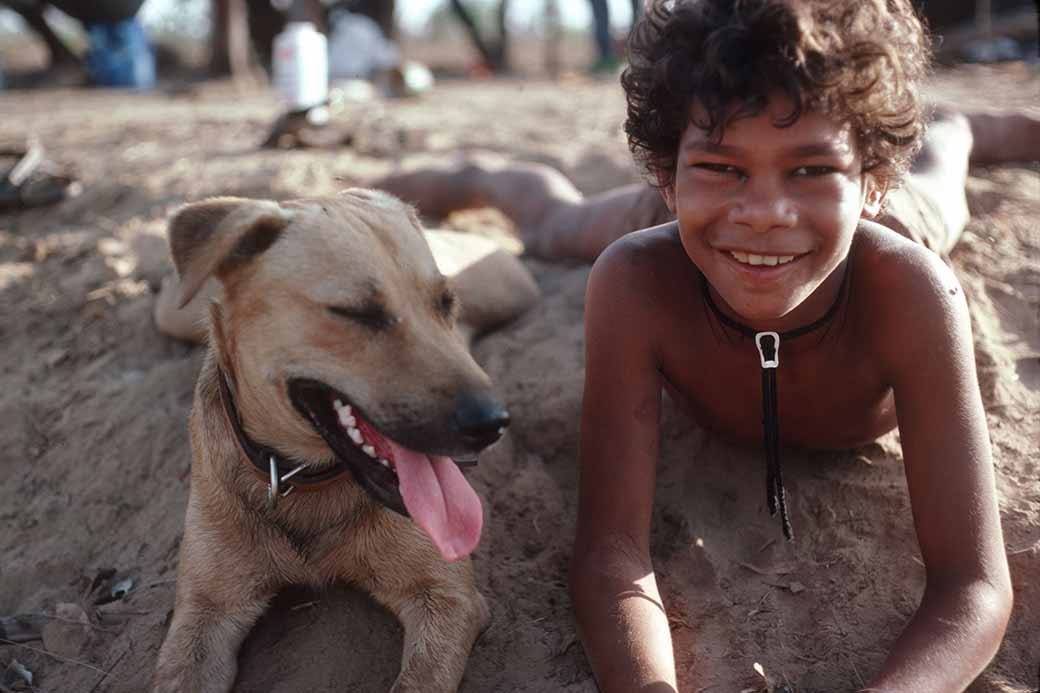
[717, 168]
[814, 170]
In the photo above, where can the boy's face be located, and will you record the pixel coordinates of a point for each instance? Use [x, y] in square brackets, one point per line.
[768, 213]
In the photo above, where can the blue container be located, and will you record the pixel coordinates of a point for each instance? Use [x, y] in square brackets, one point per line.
[120, 55]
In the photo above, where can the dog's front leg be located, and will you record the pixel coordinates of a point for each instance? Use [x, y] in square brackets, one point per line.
[440, 627]
[441, 611]
[219, 599]
[201, 649]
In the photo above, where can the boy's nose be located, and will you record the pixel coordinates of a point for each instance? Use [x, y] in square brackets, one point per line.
[763, 206]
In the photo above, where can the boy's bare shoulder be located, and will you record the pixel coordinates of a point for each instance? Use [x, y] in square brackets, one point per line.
[907, 293]
[643, 282]
[899, 270]
[647, 260]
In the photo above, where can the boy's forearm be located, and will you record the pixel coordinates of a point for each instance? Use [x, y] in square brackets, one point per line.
[948, 642]
[624, 630]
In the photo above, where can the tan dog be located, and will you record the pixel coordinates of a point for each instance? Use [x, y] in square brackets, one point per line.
[335, 394]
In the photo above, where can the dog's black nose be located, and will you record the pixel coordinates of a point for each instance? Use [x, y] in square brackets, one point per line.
[480, 418]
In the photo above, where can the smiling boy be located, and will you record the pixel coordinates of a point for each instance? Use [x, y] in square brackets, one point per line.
[775, 131]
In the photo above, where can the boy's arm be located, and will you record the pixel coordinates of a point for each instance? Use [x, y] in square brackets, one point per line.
[621, 619]
[967, 600]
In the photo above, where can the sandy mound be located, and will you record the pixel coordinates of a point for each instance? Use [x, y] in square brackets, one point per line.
[95, 401]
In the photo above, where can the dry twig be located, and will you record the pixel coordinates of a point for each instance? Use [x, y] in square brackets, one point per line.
[40, 650]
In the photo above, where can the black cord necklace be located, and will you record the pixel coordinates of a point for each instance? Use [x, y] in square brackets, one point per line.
[768, 344]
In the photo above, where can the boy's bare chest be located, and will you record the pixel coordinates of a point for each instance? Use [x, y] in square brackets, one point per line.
[828, 394]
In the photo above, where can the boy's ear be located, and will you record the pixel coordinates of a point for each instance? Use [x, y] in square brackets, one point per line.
[667, 191]
[873, 197]
[211, 236]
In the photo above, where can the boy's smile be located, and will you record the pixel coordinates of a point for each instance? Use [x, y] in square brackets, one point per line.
[768, 213]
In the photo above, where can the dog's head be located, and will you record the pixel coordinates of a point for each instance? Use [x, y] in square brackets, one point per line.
[337, 331]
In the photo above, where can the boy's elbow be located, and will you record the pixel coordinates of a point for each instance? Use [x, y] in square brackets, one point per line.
[996, 596]
[612, 560]
[994, 601]
[581, 582]
[601, 572]
[1002, 600]
[987, 601]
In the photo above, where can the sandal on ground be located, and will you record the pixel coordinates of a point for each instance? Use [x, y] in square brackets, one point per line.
[32, 181]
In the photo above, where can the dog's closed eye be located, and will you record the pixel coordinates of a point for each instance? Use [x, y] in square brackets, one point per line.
[370, 315]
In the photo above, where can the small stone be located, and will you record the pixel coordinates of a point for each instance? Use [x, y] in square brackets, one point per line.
[54, 357]
[796, 587]
[122, 588]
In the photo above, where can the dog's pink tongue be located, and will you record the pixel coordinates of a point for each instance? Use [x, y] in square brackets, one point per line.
[440, 500]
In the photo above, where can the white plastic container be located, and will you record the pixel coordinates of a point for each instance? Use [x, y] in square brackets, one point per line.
[301, 66]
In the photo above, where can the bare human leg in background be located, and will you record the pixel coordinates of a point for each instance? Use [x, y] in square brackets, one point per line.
[557, 222]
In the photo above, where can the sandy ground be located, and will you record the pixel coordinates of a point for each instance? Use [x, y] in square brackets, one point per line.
[93, 409]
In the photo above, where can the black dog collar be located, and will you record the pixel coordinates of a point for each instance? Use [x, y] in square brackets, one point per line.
[283, 476]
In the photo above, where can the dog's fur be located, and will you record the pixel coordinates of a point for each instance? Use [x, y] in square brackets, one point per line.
[282, 266]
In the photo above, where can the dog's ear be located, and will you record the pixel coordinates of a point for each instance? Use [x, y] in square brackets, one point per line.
[214, 236]
[219, 341]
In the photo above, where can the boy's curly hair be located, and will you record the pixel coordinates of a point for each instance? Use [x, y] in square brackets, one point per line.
[858, 61]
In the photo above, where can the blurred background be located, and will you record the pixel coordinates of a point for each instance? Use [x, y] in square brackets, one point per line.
[53, 43]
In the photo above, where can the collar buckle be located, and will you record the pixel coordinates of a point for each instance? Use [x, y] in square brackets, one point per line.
[274, 491]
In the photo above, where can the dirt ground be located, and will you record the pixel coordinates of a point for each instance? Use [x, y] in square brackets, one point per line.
[94, 402]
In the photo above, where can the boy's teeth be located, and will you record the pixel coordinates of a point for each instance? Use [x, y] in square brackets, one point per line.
[755, 260]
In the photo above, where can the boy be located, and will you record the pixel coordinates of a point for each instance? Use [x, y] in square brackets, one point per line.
[775, 130]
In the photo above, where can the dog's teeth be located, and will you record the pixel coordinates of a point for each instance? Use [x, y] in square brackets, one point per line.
[368, 450]
[384, 462]
[355, 435]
